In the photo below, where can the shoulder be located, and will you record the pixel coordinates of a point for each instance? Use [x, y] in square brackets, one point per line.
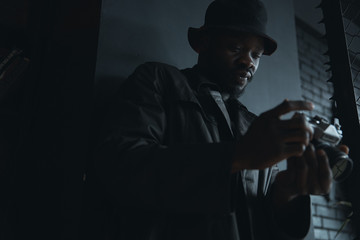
[156, 69]
[160, 77]
[157, 72]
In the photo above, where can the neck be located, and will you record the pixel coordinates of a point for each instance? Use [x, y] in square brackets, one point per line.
[209, 74]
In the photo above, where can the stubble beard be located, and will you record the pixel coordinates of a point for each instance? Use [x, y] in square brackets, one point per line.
[234, 91]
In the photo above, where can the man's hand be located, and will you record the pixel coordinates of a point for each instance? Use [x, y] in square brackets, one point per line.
[308, 174]
[270, 139]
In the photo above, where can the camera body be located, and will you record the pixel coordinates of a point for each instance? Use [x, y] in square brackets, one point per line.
[327, 137]
[324, 131]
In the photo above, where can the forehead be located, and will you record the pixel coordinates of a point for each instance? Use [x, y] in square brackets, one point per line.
[248, 39]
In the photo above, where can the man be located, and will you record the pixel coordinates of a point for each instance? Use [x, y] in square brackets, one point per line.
[183, 159]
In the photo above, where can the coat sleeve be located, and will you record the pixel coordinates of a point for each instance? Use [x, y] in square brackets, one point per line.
[139, 170]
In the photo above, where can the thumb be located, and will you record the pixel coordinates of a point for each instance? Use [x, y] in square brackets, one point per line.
[287, 106]
[344, 148]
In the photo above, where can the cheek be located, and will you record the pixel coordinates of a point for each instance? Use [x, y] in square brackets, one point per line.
[221, 62]
[228, 61]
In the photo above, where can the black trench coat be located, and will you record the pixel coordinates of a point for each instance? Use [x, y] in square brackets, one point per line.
[166, 157]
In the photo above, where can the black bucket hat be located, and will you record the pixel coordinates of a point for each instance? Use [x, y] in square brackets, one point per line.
[247, 16]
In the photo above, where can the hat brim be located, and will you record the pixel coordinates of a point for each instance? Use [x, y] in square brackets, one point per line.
[195, 37]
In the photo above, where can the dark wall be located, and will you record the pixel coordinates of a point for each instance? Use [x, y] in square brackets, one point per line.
[45, 135]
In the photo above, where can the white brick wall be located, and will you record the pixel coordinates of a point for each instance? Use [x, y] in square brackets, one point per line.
[327, 215]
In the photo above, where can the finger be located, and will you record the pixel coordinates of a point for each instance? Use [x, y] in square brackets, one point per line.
[324, 172]
[299, 122]
[312, 163]
[295, 122]
[293, 150]
[287, 106]
[344, 149]
[298, 136]
[291, 164]
[310, 156]
[285, 178]
[302, 176]
[283, 188]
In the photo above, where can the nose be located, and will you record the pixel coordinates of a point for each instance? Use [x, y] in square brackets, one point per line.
[246, 60]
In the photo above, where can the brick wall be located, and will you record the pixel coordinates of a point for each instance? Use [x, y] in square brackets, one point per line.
[328, 216]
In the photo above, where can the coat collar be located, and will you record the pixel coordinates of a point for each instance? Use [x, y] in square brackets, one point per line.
[199, 83]
[197, 80]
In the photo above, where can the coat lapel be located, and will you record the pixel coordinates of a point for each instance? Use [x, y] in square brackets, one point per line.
[221, 105]
[188, 86]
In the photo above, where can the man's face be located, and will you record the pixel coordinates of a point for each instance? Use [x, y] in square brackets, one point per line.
[232, 60]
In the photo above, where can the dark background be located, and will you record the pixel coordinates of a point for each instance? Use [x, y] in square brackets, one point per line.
[46, 121]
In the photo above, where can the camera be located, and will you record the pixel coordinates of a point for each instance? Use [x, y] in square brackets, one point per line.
[327, 137]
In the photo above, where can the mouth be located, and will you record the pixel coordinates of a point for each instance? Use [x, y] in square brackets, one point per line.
[244, 74]
[242, 78]
[242, 81]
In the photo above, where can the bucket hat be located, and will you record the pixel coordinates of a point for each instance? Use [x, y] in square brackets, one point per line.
[243, 16]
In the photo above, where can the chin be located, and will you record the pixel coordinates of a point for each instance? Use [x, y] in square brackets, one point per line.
[235, 91]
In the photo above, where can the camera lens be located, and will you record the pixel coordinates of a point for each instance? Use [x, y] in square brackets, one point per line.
[340, 163]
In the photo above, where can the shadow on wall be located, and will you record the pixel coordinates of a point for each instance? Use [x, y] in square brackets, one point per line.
[137, 43]
[106, 87]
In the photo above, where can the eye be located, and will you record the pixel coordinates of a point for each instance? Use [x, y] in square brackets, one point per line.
[235, 48]
[256, 55]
